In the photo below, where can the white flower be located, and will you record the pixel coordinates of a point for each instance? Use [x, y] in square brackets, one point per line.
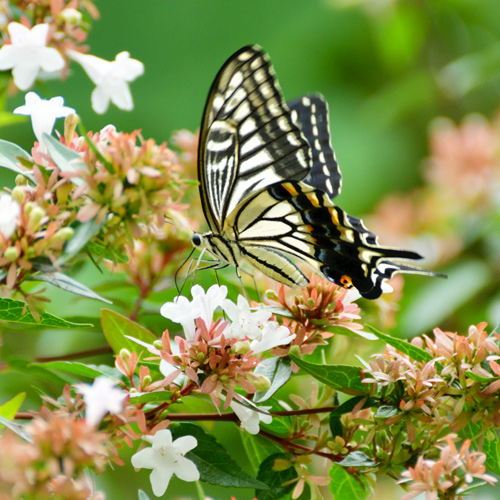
[203, 306]
[44, 113]
[9, 213]
[208, 302]
[272, 336]
[28, 53]
[100, 397]
[244, 322]
[167, 458]
[250, 419]
[111, 79]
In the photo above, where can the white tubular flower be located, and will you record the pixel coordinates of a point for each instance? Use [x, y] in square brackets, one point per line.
[100, 397]
[28, 54]
[111, 79]
[244, 322]
[203, 306]
[44, 113]
[9, 214]
[250, 419]
[166, 458]
[208, 302]
[273, 335]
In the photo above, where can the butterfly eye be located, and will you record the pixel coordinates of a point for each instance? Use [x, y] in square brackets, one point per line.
[196, 239]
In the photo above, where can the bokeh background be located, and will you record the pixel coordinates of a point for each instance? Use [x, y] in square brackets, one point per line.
[388, 68]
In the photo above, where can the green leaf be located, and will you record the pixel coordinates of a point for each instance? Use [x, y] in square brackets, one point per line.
[278, 371]
[336, 427]
[357, 459]
[17, 312]
[258, 448]
[480, 378]
[212, 460]
[66, 159]
[73, 367]
[15, 428]
[115, 327]
[491, 449]
[38, 371]
[82, 235]
[139, 398]
[275, 479]
[8, 159]
[386, 411]
[402, 345]
[344, 378]
[9, 409]
[345, 486]
[64, 282]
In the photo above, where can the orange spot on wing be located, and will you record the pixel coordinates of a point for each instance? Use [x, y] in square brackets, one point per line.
[346, 281]
[313, 199]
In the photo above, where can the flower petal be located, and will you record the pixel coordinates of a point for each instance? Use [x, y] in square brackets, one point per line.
[160, 478]
[185, 444]
[186, 470]
[51, 60]
[144, 459]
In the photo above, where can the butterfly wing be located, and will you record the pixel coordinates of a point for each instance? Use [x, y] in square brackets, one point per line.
[310, 113]
[248, 140]
[293, 219]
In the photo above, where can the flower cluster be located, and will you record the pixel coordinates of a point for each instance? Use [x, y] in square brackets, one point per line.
[218, 355]
[463, 180]
[450, 475]
[315, 314]
[121, 184]
[39, 38]
[52, 462]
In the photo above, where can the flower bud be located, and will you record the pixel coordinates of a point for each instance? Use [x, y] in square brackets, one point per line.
[36, 215]
[70, 124]
[241, 347]
[71, 16]
[19, 195]
[64, 234]
[146, 380]
[261, 383]
[11, 254]
[295, 350]
[271, 295]
[125, 355]
[158, 344]
[21, 180]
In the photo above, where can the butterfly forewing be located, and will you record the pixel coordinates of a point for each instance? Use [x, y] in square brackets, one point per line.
[310, 113]
[248, 139]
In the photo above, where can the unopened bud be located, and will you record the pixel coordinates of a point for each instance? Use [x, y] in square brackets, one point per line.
[64, 234]
[19, 195]
[261, 383]
[295, 350]
[71, 16]
[11, 254]
[70, 124]
[223, 378]
[241, 347]
[21, 180]
[271, 295]
[125, 355]
[146, 380]
[158, 344]
[36, 215]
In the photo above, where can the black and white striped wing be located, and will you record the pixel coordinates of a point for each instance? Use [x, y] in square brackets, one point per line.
[310, 113]
[296, 220]
[248, 140]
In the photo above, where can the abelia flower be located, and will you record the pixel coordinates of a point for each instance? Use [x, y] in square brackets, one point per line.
[245, 323]
[250, 419]
[167, 457]
[28, 53]
[9, 214]
[272, 335]
[100, 398]
[44, 113]
[111, 79]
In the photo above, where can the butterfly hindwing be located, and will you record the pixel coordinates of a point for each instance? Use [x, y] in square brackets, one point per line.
[248, 140]
[311, 114]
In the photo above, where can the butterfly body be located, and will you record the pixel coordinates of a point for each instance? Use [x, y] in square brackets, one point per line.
[268, 175]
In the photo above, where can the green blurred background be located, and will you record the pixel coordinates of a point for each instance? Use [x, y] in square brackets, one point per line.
[386, 68]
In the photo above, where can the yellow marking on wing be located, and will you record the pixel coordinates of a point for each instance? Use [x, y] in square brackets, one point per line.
[313, 199]
[290, 188]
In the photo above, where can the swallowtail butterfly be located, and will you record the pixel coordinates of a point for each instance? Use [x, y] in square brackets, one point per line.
[267, 177]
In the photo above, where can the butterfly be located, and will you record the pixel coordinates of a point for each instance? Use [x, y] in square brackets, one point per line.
[268, 175]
